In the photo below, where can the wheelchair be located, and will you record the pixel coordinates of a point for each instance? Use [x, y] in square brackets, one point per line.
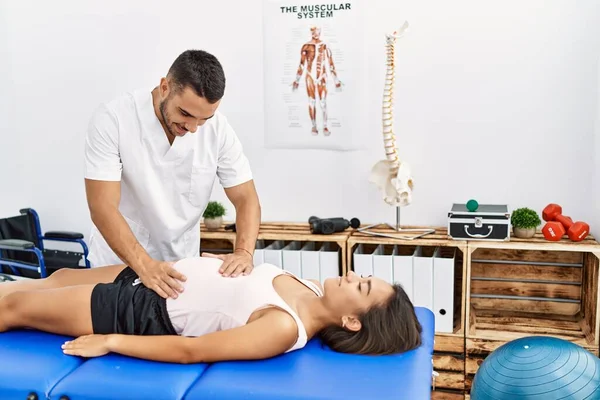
[24, 254]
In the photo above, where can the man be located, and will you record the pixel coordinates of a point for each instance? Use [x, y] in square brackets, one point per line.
[151, 158]
[316, 57]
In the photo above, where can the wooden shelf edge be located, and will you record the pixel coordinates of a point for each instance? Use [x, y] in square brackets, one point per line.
[416, 242]
[503, 338]
[288, 236]
[590, 246]
[300, 236]
[459, 334]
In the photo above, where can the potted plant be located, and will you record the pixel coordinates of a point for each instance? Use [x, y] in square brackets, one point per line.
[524, 222]
[213, 215]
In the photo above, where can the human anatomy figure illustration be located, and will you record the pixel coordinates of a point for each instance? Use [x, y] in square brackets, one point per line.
[316, 59]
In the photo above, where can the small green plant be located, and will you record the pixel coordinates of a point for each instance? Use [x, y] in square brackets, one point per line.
[214, 209]
[525, 218]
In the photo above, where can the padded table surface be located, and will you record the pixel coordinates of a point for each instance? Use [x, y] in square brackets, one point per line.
[316, 372]
[118, 377]
[32, 362]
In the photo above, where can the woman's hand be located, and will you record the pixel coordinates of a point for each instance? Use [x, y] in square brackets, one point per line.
[87, 346]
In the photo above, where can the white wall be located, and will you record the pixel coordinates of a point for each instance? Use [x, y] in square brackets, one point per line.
[595, 206]
[495, 101]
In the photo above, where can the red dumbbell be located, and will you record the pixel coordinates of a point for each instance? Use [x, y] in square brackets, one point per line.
[553, 231]
[578, 231]
[557, 225]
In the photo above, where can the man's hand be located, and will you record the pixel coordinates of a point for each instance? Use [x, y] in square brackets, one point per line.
[161, 277]
[238, 262]
[87, 346]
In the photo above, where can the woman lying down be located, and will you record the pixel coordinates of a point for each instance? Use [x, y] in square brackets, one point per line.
[216, 318]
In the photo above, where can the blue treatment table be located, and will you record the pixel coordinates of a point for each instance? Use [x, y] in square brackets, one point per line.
[33, 367]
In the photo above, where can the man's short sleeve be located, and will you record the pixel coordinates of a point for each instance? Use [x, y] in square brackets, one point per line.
[233, 167]
[102, 159]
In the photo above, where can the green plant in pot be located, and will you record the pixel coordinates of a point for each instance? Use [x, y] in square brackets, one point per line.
[524, 222]
[213, 215]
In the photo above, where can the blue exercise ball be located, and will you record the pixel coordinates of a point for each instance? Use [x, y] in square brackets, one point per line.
[540, 368]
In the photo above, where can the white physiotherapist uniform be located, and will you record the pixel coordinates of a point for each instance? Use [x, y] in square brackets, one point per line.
[164, 188]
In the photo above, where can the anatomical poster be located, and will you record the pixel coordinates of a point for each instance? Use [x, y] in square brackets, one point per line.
[315, 75]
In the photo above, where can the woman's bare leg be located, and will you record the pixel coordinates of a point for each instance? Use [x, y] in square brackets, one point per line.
[64, 311]
[64, 277]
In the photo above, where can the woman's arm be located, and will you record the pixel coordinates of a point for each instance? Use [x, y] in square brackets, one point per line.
[268, 336]
[171, 349]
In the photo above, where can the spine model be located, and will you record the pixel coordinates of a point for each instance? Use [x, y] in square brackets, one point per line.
[389, 138]
[391, 175]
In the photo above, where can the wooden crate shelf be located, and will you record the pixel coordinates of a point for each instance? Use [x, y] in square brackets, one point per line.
[449, 348]
[441, 394]
[272, 231]
[526, 287]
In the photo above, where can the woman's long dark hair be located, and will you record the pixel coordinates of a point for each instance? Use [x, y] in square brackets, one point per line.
[389, 328]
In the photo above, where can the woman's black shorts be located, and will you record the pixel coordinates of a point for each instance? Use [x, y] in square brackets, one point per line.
[129, 308]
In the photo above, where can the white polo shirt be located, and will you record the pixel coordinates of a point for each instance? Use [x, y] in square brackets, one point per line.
[164, 188]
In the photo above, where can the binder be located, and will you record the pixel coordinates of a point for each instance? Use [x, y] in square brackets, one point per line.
[383, 263]
[363, 261]
[309, 255]
[403, 268]
[423, 277]
[291, 258]
[272, 253]
[443, 288]
[329, 261]
[259, 252]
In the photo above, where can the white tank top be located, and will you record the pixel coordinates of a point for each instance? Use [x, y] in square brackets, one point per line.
[211, 302]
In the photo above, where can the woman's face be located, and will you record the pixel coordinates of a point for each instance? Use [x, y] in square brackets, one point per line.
[351, 295]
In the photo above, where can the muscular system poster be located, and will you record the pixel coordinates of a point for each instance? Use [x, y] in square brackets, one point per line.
[314, 75]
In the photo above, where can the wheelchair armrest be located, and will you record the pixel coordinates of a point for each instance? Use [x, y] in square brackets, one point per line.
[16, 244]
[63, 235]
[6, 278]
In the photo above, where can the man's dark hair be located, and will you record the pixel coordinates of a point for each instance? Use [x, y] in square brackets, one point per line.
[200, 71]
[389, 328]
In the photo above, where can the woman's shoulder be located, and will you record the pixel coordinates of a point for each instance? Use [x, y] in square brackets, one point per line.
[278, 323]
[317, 284]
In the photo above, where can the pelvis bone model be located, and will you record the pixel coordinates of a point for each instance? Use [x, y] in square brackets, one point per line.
[392, 176]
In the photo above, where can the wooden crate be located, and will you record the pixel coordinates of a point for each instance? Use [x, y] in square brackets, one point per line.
[442, 394]
[449, 348]
[526, 287]
[218, 241]
[224, 240]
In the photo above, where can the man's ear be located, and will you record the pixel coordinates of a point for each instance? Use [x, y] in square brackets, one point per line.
[164, 87]
[351, 323]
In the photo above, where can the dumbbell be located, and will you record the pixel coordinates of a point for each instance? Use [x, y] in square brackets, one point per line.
[557, 225]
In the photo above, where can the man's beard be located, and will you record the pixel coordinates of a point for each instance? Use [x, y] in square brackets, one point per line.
[162, 107]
